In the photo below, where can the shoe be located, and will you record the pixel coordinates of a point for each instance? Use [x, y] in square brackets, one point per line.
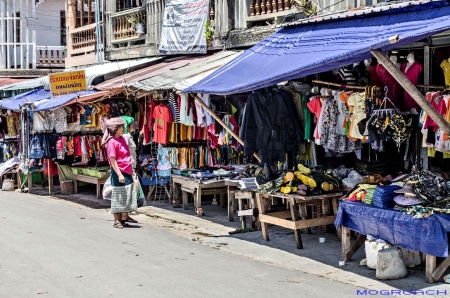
[327, 186]
[124, 223]
[118, 225]
[130, 220]
[308, 181]
[303, 169]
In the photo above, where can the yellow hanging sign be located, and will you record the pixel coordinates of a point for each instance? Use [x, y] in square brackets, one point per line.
[67, 82]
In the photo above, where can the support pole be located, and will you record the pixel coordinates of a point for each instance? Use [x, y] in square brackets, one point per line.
[412, 90]
[97, 32]
[200, 101]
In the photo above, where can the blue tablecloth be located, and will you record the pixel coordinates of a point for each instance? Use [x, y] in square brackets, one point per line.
[428, 235]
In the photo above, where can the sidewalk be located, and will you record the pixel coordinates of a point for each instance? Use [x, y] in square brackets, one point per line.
[320, 259]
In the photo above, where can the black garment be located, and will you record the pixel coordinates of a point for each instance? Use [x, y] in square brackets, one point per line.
[268, 125]
[361, 75]
[293, 115]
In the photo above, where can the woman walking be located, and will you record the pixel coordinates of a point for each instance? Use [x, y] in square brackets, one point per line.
[124, 195]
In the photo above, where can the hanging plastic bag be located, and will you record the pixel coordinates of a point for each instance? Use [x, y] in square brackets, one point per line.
[107, 189]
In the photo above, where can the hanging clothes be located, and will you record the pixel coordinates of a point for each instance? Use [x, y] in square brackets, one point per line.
[174, 102]
[395, 91]
[329, 136]
[163, 119]
[186, 110]
[164, 166]
[412, 73]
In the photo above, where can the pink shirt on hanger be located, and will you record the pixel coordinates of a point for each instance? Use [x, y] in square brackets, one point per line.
[413, 74]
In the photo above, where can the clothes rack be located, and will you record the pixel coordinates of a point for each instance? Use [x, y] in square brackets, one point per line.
[430, 86]
[338, 85]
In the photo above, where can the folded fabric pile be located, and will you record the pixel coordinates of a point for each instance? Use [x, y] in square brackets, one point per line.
[363, 193]
[383, 196]
[369, 196]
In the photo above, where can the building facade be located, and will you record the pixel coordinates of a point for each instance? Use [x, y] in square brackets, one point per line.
[234, 23]
[32, 37]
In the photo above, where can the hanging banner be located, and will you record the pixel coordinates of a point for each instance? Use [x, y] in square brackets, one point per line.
[183, 29]
[64, 83]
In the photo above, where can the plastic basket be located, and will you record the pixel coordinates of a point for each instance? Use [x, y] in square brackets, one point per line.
[35, 177]
[77, 171]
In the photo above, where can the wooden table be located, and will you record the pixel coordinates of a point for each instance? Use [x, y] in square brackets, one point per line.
[88, 179]
[297, 213]
[433, 272]
[182, 185]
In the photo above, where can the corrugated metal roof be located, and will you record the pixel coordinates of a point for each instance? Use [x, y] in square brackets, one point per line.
[108, 70]
[181, 75]
[9, 81]
[379, 9]
[148, 72]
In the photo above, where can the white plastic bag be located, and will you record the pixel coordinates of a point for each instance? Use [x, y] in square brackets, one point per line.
[352, 180]
[8, 185]
[107, 189]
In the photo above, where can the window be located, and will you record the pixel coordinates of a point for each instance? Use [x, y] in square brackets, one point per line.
[85, 13]
[17, 15]
[127, 4]
[63, 36]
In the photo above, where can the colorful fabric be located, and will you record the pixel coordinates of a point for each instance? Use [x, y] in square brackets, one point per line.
[123, 195]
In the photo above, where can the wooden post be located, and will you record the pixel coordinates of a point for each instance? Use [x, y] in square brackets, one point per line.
[296, 217]
[430, 265]
[412, 90]
[262, 210]
[198, 99]
[30, 182]
[230, 204]
[345, 242]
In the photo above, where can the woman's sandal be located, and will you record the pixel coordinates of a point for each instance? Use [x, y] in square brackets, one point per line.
[130, 220]
[124, 223]
[118, 225]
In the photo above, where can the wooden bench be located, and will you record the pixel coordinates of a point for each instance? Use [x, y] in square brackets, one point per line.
[88, 179]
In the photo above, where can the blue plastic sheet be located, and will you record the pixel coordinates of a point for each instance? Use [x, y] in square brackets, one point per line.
[54, 102]
[428, 235]
[41, 98]
[296, 52]
[14, 103]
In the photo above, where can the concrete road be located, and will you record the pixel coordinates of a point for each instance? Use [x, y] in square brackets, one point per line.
[54, 248]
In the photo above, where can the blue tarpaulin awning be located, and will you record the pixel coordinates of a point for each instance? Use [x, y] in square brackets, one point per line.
[295, 52]
[14, 103]
[41, 98]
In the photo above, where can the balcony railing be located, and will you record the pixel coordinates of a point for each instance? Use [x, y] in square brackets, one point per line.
[122, 29]
[266, 7]
[83, 39]
[50, 56]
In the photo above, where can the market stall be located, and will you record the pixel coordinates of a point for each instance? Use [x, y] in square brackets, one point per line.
[357, 74]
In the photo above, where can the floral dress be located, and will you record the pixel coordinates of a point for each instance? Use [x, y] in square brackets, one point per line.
[330, 139]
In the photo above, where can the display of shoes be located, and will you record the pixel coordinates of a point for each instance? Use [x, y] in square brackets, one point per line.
[303, 169]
